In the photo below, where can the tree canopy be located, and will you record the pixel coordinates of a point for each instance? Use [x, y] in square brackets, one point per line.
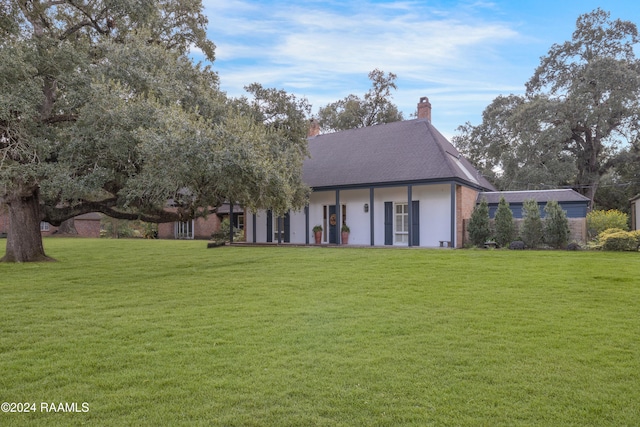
[354, 112]
[101, 110]
[581, 107]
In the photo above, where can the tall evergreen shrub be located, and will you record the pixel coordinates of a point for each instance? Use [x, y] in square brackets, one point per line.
[556, 225]
[532, 231]
[479, 230]
[505, 229]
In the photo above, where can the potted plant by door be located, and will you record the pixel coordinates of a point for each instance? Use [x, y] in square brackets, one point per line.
[345, 234]
[317, 234]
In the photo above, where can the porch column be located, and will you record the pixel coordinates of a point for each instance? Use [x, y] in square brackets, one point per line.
[306, 224]
[230, 223]
[255, 233]
[371, 223]
[410, 216]
[338, 219]
[279, 219]
[454, 224]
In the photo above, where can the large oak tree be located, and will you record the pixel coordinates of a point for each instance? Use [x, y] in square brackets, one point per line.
[581, 107]
[352, 112]
[101, 110]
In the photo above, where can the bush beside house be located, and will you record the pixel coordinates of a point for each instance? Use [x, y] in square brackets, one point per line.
[505, 229]
[601, 220]
[532, 230]
[556, 226]
[479, 229]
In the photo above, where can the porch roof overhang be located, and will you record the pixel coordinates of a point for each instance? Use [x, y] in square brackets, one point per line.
[398, 184]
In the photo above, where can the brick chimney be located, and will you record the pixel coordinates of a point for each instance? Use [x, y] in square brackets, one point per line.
[424, 109]
[314, 128]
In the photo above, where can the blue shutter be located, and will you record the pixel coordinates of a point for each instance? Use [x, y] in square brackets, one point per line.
[415, 223]
[269, 226]
[287, 232]
[388, 223]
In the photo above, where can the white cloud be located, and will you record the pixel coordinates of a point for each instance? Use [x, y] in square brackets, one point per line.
[324, 51]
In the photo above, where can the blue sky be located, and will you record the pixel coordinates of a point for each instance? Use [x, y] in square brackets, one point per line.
[461, 54]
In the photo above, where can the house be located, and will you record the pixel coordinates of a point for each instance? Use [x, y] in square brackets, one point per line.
[635, 213]
[573, 203]
[399, 184]
[201, 228]
[87, 225]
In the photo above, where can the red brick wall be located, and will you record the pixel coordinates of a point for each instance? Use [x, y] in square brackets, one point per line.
[465, 202]
[87, 227]
[202, 228]
[165, 230]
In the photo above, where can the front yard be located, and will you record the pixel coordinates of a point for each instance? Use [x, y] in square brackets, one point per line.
[170, 333]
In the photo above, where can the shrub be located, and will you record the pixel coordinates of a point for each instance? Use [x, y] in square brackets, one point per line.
[479, 230]
[620, 241]
[518, 244]
[532, 230]
[505, 229]
[222, 235]
[609, 231]
[598, 221]
[556, 225]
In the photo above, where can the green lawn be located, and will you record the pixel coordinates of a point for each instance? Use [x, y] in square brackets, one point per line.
[170, 333]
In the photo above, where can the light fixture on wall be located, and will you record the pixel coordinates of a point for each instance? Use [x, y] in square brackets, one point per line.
[366, 207]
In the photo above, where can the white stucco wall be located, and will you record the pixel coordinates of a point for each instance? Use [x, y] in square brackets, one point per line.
[435, 214]
[297, 225]
[435, 211]
[636, 212]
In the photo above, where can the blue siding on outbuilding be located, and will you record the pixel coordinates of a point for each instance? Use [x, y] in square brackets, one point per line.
[572, 209]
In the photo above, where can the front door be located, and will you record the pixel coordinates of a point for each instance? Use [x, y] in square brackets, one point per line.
[332, 226]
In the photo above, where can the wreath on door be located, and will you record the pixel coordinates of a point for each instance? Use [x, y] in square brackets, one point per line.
[332, 219]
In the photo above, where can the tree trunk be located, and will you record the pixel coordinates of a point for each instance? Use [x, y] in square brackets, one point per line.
[68, 227]
[24, 241]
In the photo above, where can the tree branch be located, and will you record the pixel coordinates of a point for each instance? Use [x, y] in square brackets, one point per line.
[61, 118]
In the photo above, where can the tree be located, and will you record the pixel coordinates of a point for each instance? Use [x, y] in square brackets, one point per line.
[510, 149]
[581, 102]
[622, 182]
[532, 230]
[479, 229]
[590, 88]
[505, 230]
[355, 112]
[101, 110]
[556, 225]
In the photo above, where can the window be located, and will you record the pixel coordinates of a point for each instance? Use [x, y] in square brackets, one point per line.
[44, 226]
[184, 230]
[401, 226]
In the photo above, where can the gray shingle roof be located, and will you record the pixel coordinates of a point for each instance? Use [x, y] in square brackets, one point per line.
[540, 196]
[405, 151]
